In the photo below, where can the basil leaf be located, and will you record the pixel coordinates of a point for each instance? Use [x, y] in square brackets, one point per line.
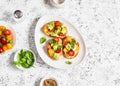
[68, 62]
[52, 41]
[42, 40]
[17, 63]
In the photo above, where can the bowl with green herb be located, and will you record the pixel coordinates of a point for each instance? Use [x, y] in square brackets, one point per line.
[24, 59]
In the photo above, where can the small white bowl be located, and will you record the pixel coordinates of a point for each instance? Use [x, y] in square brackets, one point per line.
[16, 56]
[57, 3]
[48, 77]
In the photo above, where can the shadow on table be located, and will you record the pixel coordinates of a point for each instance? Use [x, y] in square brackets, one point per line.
[11, 60]
[37, 82]
[32, 45]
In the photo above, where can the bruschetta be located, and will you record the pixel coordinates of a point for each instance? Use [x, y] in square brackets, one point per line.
[54, 48]
[55, 28]
[70, 47]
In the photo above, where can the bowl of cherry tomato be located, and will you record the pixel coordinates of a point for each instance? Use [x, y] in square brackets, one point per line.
[7, 37]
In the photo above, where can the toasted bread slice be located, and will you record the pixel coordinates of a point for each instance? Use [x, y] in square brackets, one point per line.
[70, 47]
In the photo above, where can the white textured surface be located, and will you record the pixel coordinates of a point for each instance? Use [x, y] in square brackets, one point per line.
[99, 23]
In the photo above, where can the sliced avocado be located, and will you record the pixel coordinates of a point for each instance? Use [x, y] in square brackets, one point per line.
[64, 30]
[53, 34]
[68, 46]
[62, 25]
[57, 31]
[51, 25]
[72, 45]
[55, 47]
[55, 55]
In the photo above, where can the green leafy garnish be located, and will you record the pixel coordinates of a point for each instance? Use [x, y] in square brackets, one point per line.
[52, 41]
[72, 45]
[25, 58]
[42, 40]
[68, 62]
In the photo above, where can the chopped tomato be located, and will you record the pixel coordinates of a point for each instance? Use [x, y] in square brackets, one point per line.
[56, 39]
[71, 53]
[62, 35]
[57, 23]
[64, 42]
[3, 41]
[1, 50]
[48, 46]
[7, 32]
[58, 51]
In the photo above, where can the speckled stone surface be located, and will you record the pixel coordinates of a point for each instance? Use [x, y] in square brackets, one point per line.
[97, 20]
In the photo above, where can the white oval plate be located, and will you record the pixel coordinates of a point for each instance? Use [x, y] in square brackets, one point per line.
[41, 48]
[9, 26]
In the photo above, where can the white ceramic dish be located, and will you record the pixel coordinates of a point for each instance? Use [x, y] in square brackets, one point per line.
[16, 56]
[9, 26]
[48, 77]
[57, 3]
[42, 50]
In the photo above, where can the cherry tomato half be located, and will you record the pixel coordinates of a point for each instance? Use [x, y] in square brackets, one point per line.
[7, 32]
[58, 51]
[3, 41]
[56, 39]
[1, 50]
[4, 47]
[9, 37]
[9, 46]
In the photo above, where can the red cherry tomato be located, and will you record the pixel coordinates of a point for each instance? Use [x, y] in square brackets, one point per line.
[56, 39]
[58, 51]
[57, 23]
[1, 50]
[7, 32]
[71, 53]
[3, 41]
